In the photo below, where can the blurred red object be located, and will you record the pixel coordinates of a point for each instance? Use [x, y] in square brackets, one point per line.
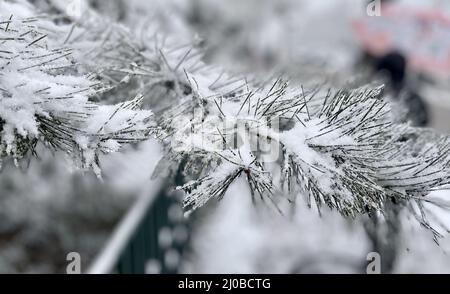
[423, 36]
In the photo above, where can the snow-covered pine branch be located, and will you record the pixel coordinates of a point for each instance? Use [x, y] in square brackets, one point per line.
[44, 99]
[340, 149]
[334, 148]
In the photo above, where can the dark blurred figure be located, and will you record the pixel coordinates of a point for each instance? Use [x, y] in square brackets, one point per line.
[393, 66]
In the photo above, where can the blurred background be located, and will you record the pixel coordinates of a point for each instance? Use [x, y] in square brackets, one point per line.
[48, 211]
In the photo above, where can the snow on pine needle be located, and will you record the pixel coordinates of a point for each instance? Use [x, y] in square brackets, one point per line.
[334, 148]
[42, 98]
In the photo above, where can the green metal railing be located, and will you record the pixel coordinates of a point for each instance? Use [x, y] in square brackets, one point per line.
[150, 239]
[158, 241]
